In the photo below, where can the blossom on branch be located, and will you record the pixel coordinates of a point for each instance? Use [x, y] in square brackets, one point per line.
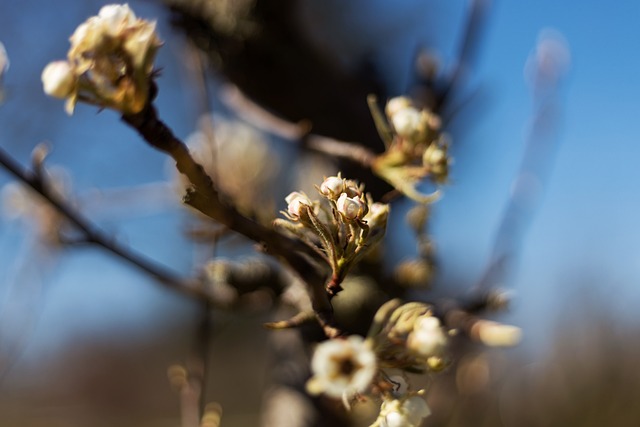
[109, 64]
[345, 224]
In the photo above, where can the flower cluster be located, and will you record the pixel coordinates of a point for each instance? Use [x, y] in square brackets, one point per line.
[406, 337]
[409, 336]
[347, 368]
[415, 147]
[344, 225]
[109, 63]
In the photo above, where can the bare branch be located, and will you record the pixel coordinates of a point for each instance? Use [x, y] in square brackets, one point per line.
[92, 234]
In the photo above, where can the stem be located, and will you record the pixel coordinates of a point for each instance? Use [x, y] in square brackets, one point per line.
[346, 150]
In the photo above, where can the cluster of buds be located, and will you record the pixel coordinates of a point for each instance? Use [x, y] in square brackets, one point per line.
[343, 226]
[406, 337]
[109, 64]
[415, 147]
[409, 337]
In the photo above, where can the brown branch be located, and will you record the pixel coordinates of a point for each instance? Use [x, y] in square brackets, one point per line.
[93, 235]
[345, 150]
[205, 197]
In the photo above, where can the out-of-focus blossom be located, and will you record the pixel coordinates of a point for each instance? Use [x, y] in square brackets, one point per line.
[407, 122]
[408, 412]
[496, 334]
[427, 338]
[377, 215]
[342, 367]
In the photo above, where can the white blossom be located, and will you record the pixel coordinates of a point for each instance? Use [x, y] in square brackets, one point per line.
[407, 122]
[111, 57]
[396, 104]
[377, 215]
[427, 337]
[297, 203]
[116, 18]
[351, 208]
[342, 367]
[58, 79]
[332, 187]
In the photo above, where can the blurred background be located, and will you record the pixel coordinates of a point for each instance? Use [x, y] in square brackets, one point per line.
[87, 340]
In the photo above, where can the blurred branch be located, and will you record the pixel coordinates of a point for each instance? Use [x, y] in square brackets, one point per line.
[466, 53]
[93, 235]
[546, 67]
[340, 149]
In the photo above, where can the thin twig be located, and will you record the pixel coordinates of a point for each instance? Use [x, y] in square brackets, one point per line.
[468, 47]
[94, 235]
[341, 149]
[529, 183]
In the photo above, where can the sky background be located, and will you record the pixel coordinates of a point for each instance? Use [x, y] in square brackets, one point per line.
[583, 239]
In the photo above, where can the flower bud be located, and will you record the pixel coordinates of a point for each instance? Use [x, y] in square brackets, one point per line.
[407, 122]
[297, 203]
[352, 188]
[58, 79]
[351, 208]
[396, 104]
[377, 215]
[436, 160]
[494, 334]
[332, 187]
[427, 338]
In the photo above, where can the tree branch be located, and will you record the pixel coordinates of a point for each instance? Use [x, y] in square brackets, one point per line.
[206, 198]
[94, 235]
